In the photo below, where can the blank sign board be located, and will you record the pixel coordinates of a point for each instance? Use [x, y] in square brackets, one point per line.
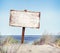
[25, 18]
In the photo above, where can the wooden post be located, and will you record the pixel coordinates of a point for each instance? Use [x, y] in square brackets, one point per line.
[23, 31]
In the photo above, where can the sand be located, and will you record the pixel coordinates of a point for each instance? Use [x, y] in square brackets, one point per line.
[27, 48]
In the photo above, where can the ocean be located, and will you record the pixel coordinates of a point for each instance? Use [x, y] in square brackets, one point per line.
[27, 38]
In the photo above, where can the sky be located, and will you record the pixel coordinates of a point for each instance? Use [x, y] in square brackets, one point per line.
[49, 20]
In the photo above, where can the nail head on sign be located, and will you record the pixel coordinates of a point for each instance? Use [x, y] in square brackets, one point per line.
[25, 10]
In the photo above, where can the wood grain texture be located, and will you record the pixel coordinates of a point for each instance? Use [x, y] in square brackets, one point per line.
[24, 19]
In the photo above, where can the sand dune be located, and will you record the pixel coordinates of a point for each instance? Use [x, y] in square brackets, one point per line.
[27, 48]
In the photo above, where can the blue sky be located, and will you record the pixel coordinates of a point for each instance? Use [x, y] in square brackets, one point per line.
[49, 21]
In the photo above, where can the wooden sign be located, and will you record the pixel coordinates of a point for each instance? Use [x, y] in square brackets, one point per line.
[24, 18]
